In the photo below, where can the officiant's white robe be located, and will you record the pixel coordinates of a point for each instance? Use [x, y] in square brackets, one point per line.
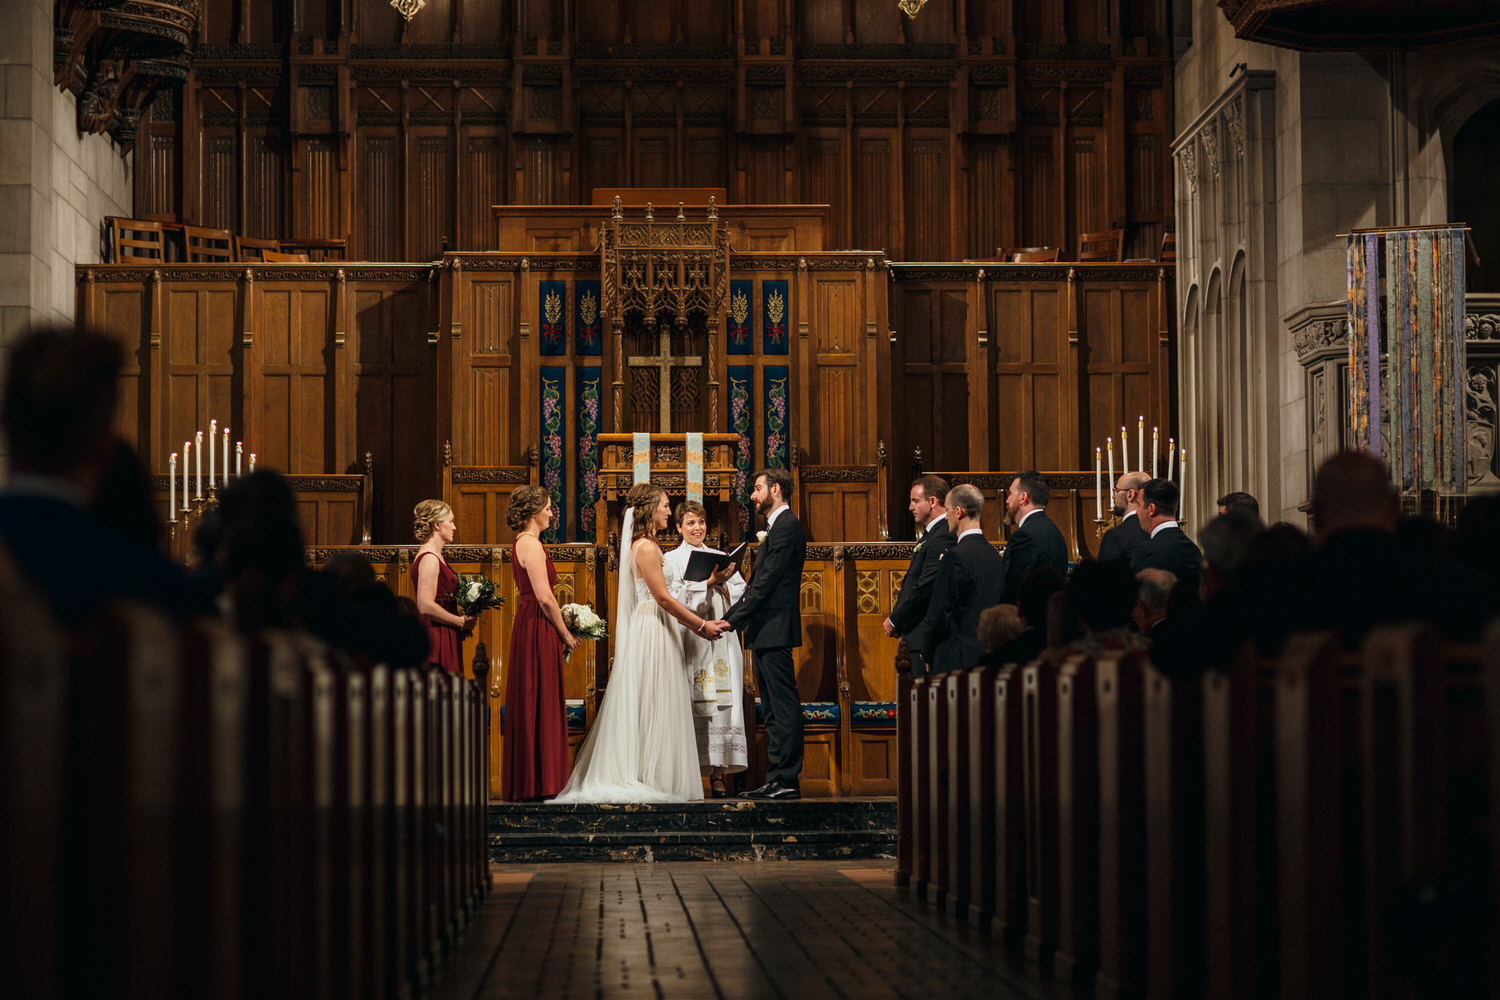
[721, 738]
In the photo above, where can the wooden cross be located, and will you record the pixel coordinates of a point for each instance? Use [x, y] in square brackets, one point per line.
[664, 362]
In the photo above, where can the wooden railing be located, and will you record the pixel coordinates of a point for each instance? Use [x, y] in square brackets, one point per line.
[1283, 829]
[190, 811]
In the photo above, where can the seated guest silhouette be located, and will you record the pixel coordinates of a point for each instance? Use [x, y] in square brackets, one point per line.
[58, 419]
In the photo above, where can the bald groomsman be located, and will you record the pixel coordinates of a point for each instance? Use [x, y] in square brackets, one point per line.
[1121, 541]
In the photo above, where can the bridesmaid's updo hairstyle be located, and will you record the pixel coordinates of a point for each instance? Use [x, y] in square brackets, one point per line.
[644, 498]
[524, 503]
[426, 514]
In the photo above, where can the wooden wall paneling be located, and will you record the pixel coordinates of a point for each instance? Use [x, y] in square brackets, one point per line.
[379, 234]
[876, 220]
[825, 176]
[125, 310]
[199, 351]
[289, 392]
[707, 158]
[485, 346]
[1038, 191]
[928, 190]
[1086, 195]
[266, 171]
[431, 200]
[1031, 387]
[322, 195]
[220, 181]
[482, 175]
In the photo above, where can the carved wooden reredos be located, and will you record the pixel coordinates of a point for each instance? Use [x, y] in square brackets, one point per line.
[670, 273]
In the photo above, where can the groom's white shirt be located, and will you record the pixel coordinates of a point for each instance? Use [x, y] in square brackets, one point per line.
[771, 517]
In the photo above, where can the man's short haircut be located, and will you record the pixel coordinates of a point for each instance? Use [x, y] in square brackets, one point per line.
[1156, 586]
[968, 499]
[689, 507]
[933, 487]
[60, 390]
[776, 477]
[1239, 500]
[1225, 538]
[1035, 487]
[1163, 493]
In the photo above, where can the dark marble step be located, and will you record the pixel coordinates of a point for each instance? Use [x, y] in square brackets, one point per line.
[725, 829]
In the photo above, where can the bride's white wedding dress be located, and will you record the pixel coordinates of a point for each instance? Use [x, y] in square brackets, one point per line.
[642, 747]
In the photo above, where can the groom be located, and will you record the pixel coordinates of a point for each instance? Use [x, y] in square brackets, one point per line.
[770, 618]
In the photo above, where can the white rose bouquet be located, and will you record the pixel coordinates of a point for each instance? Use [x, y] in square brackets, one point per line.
[582, 622]
[474, 594]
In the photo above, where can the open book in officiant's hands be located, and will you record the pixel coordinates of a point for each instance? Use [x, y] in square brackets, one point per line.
[702, 563]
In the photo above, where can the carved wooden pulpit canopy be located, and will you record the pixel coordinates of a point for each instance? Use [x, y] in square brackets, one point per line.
[664, 276]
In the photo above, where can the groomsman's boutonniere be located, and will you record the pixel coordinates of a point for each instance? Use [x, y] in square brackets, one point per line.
[760, 536]
[918, 547]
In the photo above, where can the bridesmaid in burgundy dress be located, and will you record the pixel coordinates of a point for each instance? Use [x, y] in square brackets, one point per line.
[435, 581]
[536, 726]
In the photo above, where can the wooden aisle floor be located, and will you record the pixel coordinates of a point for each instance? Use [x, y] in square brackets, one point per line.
[794, 929]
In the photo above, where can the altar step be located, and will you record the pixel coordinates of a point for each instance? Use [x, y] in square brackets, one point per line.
[713, 830]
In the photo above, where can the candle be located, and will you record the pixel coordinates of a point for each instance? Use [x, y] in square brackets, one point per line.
[226, 456]
[172, 489]
[1171, 455]
[198, 466]
[1124, 454]
[1140, 442]
[1182, 474]
[213, 430]
[239, 457]
[1099, 485]
[252, 461]
[185, 446]
[1154, 449]
[1109, 449]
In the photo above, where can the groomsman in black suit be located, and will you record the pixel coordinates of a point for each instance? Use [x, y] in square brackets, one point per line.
[968, 582]
[769, 616]
[1121, 541]
[908, 615]
[1036, 541]
[1168, 546]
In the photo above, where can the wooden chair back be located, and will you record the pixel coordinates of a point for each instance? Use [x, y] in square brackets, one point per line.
[134, 240]
[1105, 246]
[206, 245]
[1033, 255]
[250, 248]
[278, 257]
[1168, 247]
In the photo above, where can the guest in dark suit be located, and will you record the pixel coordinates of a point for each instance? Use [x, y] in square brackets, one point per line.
[1169, 547]
[968, 582]
[1036, 542]
[1239, 500]
[1152, 599]
[58, 417]
[909, 613]
[769, 616]
[1121, 541]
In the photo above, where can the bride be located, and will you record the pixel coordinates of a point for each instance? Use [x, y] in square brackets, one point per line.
[642, 747]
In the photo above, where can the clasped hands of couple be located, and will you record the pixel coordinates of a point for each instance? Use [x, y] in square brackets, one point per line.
[719, 578]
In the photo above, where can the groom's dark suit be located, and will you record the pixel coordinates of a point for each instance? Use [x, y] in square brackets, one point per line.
[769, 616]
[909, 613]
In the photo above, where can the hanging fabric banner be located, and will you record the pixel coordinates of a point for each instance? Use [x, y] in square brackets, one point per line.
[740, 340]
[775, 317]
[742, 422]
[590, 341]
[1371, 266]
[554, 315]
[1359, 385]
[589, 381]
[778, 424]
[553, 426]
[640, 445]
[1457, 268]
[695, 467]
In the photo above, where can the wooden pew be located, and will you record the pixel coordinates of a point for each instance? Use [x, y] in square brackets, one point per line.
[1077, 956]
[1422, 744]
[979, 703]
[922, 796]
[1239, 843]
[378, 870]
[935, 761]
[959, 758]
[351, 889]
[34, 695]
[1039, 784]
[1009, 921]
[403, 918]
[906, 803]
[1122, 850]
[1316, 692]
[1172, 764]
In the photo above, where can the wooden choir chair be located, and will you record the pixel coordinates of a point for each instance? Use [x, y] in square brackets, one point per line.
[205, 245]
[279, 257]
[1104, 246]
[1168, 248]
[248, 249]
[1033, 255]
[136, 240]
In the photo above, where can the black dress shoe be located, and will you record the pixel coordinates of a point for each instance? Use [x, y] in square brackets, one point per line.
[774, 790]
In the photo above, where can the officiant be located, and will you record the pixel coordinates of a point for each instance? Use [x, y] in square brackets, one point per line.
[716, 669]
